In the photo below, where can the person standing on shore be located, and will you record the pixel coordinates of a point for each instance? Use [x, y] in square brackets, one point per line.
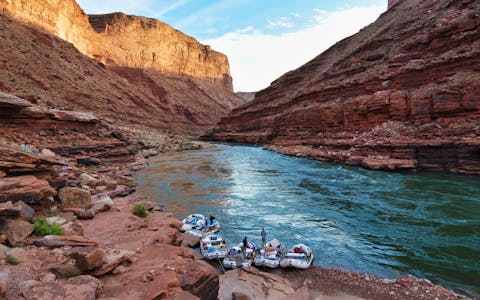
[264, 236]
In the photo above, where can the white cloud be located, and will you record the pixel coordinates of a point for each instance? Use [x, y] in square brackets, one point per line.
[282, 22]
[256, 59]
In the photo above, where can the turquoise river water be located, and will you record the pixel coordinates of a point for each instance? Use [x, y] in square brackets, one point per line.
[385, 224]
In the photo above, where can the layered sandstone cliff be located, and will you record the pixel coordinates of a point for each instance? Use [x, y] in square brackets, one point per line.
[134, 70]
[121, 40]
[403, 93]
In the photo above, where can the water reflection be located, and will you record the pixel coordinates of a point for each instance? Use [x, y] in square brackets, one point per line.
[381, 223]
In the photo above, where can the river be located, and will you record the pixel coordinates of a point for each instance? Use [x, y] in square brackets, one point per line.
[380, 223]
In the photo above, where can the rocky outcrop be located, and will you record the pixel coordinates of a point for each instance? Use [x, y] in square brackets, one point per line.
[25, 188]
[403, 93]
[122, 40]
[128, 41]
[254, 284]
[248, 96]
[52, 74]
[392, 3]
[81, 287]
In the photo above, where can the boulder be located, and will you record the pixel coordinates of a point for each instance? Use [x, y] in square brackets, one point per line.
[112, 259]
[87, 259]
[83, 287]
[25, 188]
[56, 241]
[127, 181]
[102, 205]
[75, 197]
[73, 228]
[26, 211]
[16, 231]
[250, 283]
[201, 280]
[86, 180]
[86, 214]
[56, 220]
[2, 174]
[108, 183]
[189, 241]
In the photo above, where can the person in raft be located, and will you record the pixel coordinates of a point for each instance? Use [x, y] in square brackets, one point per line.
[245, 245]
[212, 224]
[263, 234]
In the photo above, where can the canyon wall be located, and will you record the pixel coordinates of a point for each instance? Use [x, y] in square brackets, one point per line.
[392, 3]
[131, 70]
[121, 40]
[403, 93]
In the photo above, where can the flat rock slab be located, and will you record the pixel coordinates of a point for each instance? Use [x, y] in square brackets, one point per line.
[20, 209]
[11, 157]
[254, 284]
[112, 259]
[12, 101]
[83, 287]
[56, 241]
[24, 188]
[15, 230]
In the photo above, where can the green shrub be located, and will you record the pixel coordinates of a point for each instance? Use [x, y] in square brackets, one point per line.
[140, 211]
[42, 227]
[12, 260]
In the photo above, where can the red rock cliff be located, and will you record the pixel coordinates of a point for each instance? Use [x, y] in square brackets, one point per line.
[150, 74]
[403, 93]
[392, 3]
[121, 40]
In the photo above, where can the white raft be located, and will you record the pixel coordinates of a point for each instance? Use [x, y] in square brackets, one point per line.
[300, 257]
[201, 229]
[192, 221]
[270, 255]
[237, 258]
[213, 246]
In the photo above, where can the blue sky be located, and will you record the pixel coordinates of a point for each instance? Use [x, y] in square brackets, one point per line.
[262, 38]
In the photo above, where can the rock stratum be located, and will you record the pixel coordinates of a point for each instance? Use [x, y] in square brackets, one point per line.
[403, 93]
[124, 69]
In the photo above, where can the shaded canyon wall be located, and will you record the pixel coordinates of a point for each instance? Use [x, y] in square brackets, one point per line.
[403, 93]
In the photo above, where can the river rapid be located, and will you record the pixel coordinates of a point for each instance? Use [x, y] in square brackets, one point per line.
[380, 223]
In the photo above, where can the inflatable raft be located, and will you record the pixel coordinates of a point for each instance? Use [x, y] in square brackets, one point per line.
[213, 246]
[239, 258]
[270, 254]
[193, 221]
[300, 257]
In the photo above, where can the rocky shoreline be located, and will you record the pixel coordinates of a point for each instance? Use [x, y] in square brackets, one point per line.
[107, 252]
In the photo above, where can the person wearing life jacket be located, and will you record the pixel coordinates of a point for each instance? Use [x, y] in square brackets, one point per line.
[212, 224]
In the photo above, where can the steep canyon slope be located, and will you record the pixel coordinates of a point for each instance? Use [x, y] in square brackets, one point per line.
[403, 93]
[126, 69]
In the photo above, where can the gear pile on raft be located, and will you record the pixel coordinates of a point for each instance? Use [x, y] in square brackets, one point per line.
[272, 254]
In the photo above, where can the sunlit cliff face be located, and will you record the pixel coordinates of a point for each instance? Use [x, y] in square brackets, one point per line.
[121, 40]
